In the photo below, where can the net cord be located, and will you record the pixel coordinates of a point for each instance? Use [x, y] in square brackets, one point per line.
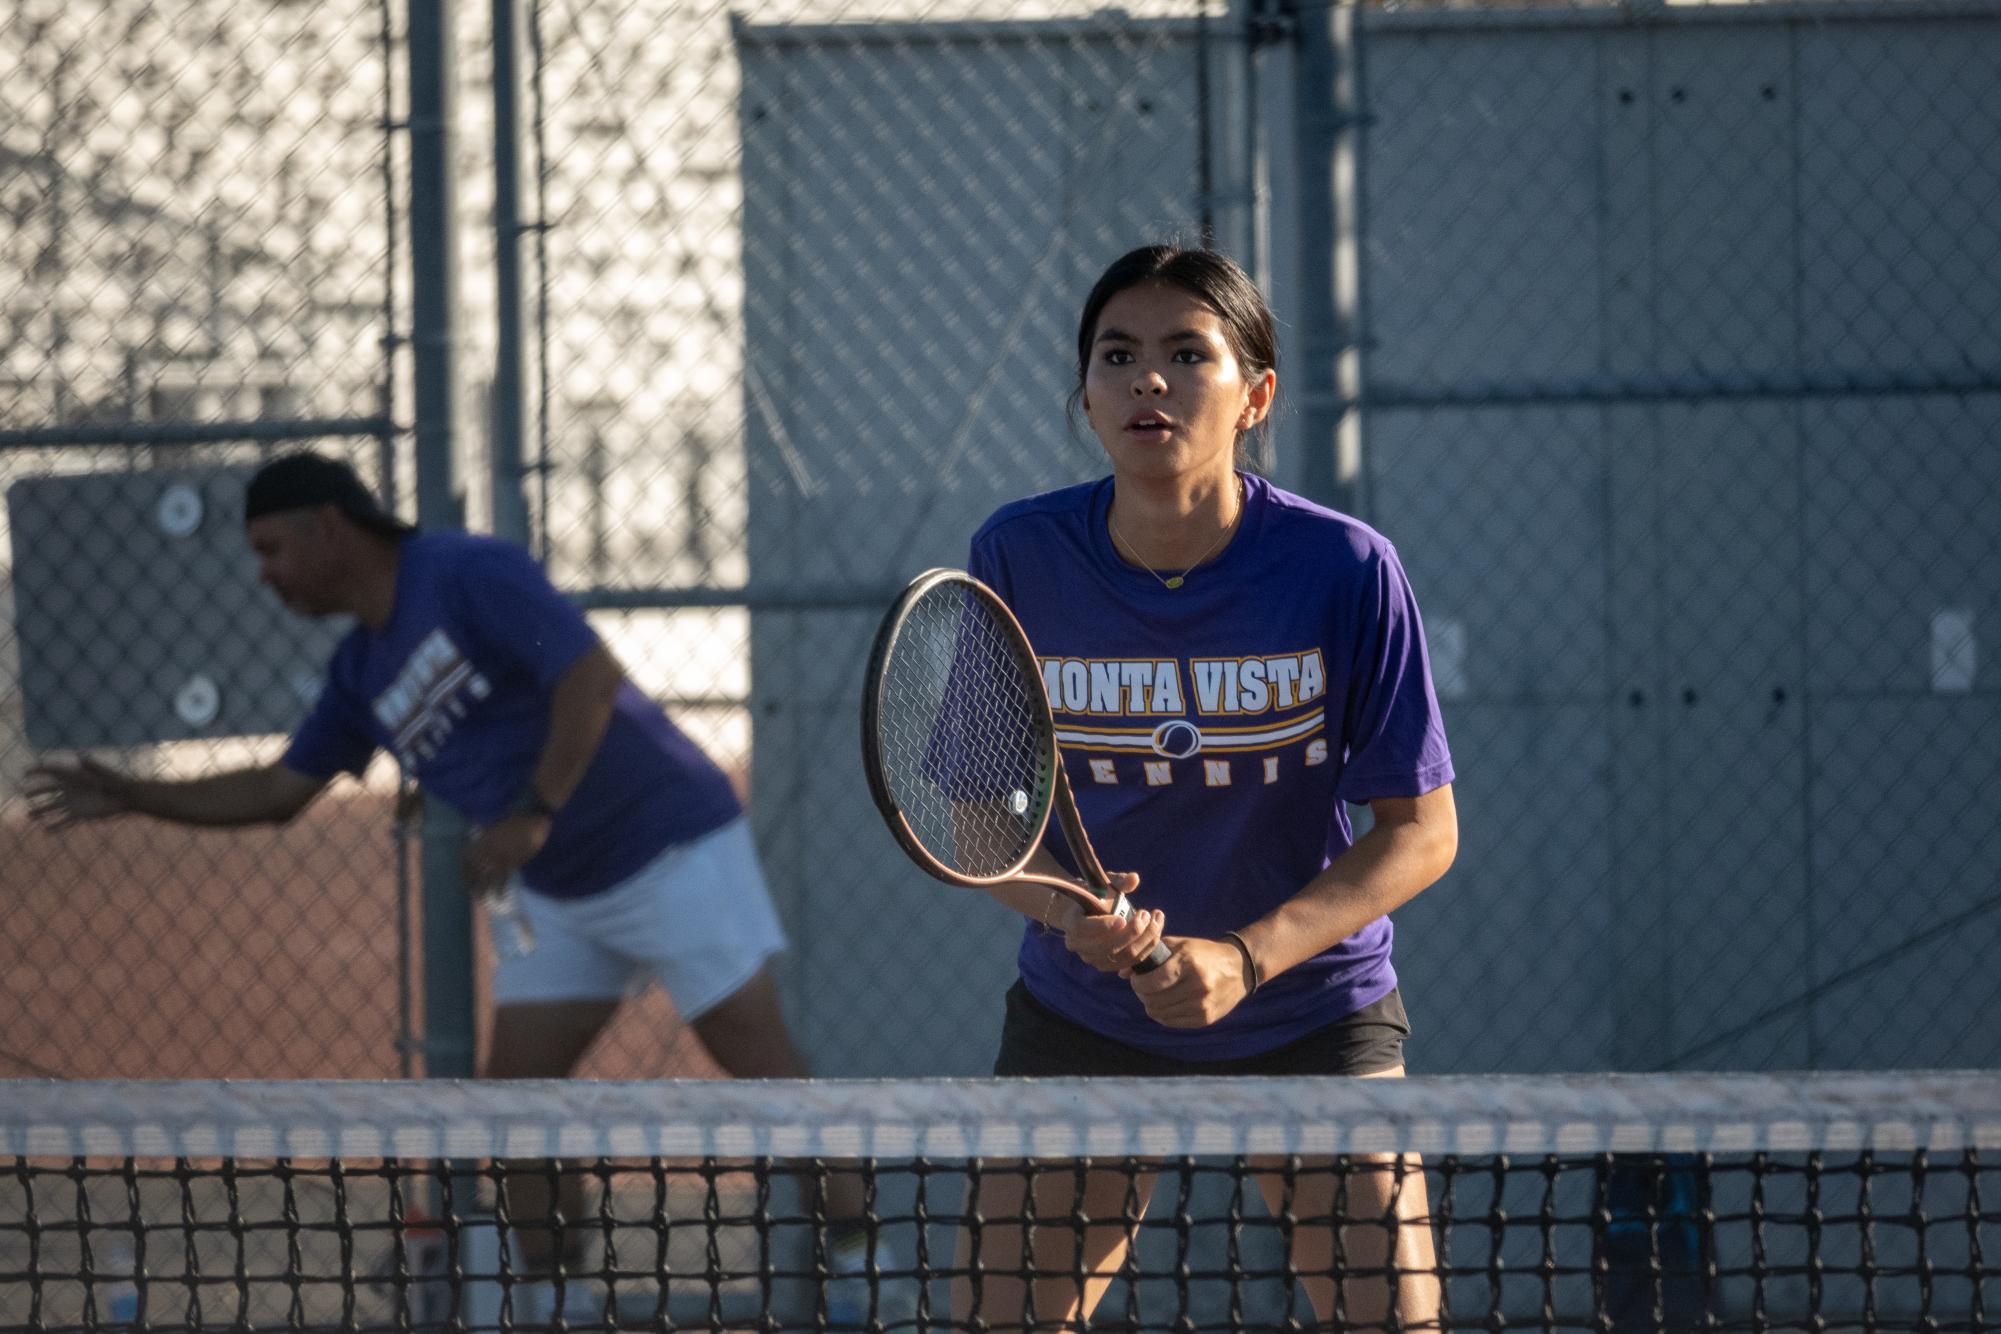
[1737, 1113]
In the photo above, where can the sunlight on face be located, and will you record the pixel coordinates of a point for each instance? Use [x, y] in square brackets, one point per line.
[1164, 393]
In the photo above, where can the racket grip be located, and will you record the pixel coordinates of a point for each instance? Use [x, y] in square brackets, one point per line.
[1122, 908]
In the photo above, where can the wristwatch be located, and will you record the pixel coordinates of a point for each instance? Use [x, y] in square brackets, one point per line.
[531, 802]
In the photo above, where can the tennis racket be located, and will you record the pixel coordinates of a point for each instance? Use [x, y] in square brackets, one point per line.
[960, 746]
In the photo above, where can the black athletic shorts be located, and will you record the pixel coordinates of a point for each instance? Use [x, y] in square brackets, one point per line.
[1036, 1041]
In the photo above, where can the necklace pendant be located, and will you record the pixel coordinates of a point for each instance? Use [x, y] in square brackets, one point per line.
[1174, 582]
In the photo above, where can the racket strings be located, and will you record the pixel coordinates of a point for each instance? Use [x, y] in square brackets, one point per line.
[962, 736]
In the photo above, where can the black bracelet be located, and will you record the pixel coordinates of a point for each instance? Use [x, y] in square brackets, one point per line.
[1250, 964]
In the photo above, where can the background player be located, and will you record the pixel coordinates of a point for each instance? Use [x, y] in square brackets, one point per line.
[629, 846]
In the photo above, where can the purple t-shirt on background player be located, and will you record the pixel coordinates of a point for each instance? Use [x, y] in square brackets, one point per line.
[1213, 733]
[457, 686]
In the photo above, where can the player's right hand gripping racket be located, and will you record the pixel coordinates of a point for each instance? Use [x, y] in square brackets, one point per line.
[960, 745]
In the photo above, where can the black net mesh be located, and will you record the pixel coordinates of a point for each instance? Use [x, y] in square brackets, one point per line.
[1688, 1203]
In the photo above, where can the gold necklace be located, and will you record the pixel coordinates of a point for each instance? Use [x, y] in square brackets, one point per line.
[1214, 547]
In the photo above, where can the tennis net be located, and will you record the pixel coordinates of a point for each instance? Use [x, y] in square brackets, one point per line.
[1823, 1202]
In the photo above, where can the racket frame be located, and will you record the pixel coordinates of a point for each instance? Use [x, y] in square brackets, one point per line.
[1095, 894]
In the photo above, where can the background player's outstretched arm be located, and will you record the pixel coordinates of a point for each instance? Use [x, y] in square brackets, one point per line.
[65, 794]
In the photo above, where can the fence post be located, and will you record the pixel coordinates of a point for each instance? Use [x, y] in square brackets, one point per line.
[510, 381]
[1327, 232]
[448, 964]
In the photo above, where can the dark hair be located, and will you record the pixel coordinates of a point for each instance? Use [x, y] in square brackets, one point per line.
[1207, 275]
[307, 481]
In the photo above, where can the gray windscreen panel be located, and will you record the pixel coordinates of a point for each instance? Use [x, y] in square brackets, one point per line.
[1500, 519]
[139, 616]
[1897, 176]
[910, 298]
[925, 207]
[1484, 206]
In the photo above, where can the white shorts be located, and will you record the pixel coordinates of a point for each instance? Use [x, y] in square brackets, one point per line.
[698, 919]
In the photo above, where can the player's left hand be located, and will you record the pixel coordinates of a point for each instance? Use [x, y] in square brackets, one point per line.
[1109, 943]
[61, 795]
[501, 849]
[1202, 982]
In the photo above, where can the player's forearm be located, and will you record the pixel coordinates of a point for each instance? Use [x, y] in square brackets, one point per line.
[239, 797]
[1039, 903]
[1386, 868]
[580, 710]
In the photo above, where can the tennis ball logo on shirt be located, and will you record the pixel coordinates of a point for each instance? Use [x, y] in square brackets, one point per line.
[1177, 739]
[1253, 711]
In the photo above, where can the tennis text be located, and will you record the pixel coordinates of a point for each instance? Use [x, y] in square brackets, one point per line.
[1159, 687]
[1256, 770]
[428, 697]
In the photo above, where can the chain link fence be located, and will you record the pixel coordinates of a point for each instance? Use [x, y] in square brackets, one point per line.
[1663, 334]
[197, 242]
[1680, 375]
[807, 283]
[1663, 345]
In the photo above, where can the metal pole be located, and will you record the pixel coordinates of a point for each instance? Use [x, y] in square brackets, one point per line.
[448, 963]
[510, 380]
[1321, 340]
[1247, 23]
[1350, 123]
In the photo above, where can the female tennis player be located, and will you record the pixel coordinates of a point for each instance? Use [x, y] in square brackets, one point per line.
[1229, 666]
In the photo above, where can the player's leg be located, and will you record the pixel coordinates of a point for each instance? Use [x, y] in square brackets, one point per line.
[725, 931]
[1028, 1264]
[544, 1040]
[746, 1033]
[550, 1005]
[700, 919]
[1024, 1262]
[1363, 1218]
[1364, 1223]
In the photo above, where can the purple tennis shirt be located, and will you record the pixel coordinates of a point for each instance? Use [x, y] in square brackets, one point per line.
[1214, 733]
[457, 685]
